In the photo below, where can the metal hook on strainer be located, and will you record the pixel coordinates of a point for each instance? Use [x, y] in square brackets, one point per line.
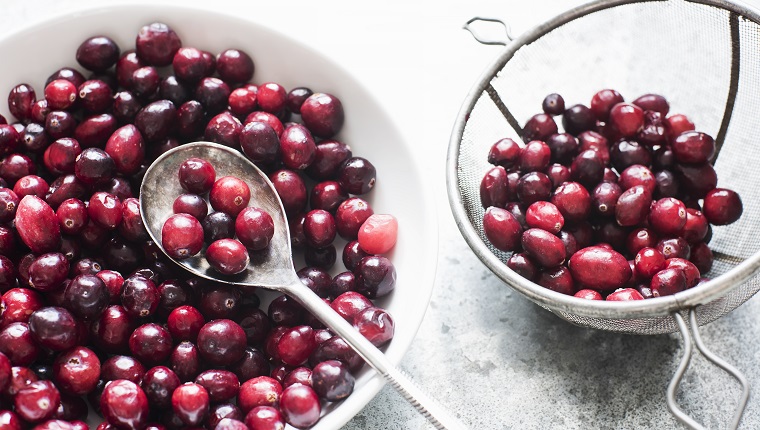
[600, 45]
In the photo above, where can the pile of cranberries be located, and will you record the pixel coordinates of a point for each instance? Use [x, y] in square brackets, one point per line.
[92, 313]
[619, 206]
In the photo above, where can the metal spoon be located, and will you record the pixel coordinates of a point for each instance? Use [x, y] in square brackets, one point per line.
[273, 268]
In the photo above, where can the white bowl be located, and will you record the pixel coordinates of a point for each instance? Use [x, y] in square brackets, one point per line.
[33, 53]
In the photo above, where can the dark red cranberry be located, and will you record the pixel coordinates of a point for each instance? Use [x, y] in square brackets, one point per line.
[260, 142]
[637, 175]
[221, 342]
[668, 282]
[633, 206]
[30, 185]
[695, 228]
[191, 204]
[543, 247]
[319, 228]
[588, 295]
[300, 406]
[150, 343]
[689, 270]
[189, 65]
[254, 228]
[213, 94]
[112, 329]
[145, 82]
[624, 153]
[318, 280]
[124, 404]
[539, 127]
[702, 257]
[268, 118]
[196, 175]
[587, 168]
[375, 276]
[15, 166]
[220, 302]
[296, 345]
[577, 119]
[127, 149]
[641, 238]
[60, 156]
[60, 94]
[37, 401]
[322, 113]
[243, 100]
[332, 380]
[523, 266]
[158, 384]
[693, 147]
[223, 415]
[218, 225]
[58, 124]
[77, 371]
[94, 131]
[221, 385]
[94, 166]
[678, 124]
[375, 324]
[285, 311]
[125, 66]
[95, 96]
[86, 296]
[291, 189]
[132, 227]
[234, 66]
[563, 148]
[328, 195]
[98, 53]
[9, 139]
[628, 119]
[105, 210]
[722, 206]
[18, 344]
[321, 257]
[20, 101]
[501, 228]
[336, 348]
[352, 255]
[506, 153]
[357, 175]
[48, 271]
[122, 367]
[553, 104]
[557, 279]
[666, 184]
[225, 129]
[674, 248]
[227, 256]
[330, 155]
[350, 216]
[668, 216]
[624, 294]
[296, 97]
[605, 197]
[8, 204]
[299, 375]
[533, 186]
[696, 180]
[139, 296]
[573, 201]
[653, 102]
[648, 262]
[535, 156]
[254, 322]
[156, 120]
[171, 89]
[185, 361]
[599, 268]
[253, 364]
[654, 130]
[612, 234]
[54, 328]
[190, 402]
[157, 43]
[125, 106]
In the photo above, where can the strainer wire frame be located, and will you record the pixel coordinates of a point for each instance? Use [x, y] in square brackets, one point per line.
[558, 302]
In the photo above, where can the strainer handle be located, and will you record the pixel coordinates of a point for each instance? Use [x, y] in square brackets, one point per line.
[484, 40]
[688, 347]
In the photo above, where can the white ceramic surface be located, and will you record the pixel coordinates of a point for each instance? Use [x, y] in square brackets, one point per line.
[33, 53]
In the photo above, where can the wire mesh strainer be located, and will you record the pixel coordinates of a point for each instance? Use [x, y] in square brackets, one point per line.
[704, 56]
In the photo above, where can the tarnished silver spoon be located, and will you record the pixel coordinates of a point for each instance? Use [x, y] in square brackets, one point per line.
[273, 268]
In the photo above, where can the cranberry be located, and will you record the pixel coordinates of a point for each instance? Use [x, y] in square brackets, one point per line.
[243, 100]
[272, 97]
[319, 228]
[265, 418]
[577, 119]
[523, 266]
[227, 412]
[696, 180]
[624, 153]
[185, 361]
[667, 216]
[224, 129]
[539, 127]
[329, 156]
[94, 166]
[10, 421]
[493, 188]
[157, 43]
[58, 124]
[627, 118]
[502, 229]
[667, 184]
[268, 118]
[105, 210]
[77, 371]
[37, 225]
[693, 147]
[191, 204]
[637, 175]
[327, 195]
[122, 367]
[259, 142]
[126, 148]
[689, 270]
[124, 404]
[144, 82]
[20, 101]
[196, 175]
[535, 156]
[357, 175]
[159, 383]
[48, 271]
[695, 228]
[213, 94]
[156, 120]
[553, 104]
[722, 206]
[86, 296]
[9, 139]
[8, 204]
[667, 282]
[184, 323]
[37, 401]
[603, 101]
[653, 102]
[139, 296]
[633, 206]
[125, 106]
[674, 247]
[221, 342]
[323, 114]
[678, 124]
[18, 344]
[229, 195]
[112, 329]
[599, 268]
[182, 236]
[545, 248]
[54, 328]
[506, 153]
[188, 65]
[291, 189]
[702, 257]
[221, 385]
[654, 130]
[588, 294]
[648, 262]
[254, 228]
[190, 403]
[60, 94]
[587, 168]
[546, 216]
[227, 256]
[284, 310]
[98, 53]
[218, 225]
[150, 343]
[557, 279]
[253, 364]
[300, 406]
[259, 391]
[624, 294]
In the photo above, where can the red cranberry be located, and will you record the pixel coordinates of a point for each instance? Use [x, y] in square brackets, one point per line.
[319, 228]
[702, 257]
[553, 104]
[624, 294]
[157, 43]
[253, 364]
[722, 206]
[18, 344]
[227, 256]
[666, 184]
[695, 227]
[300, 406]
[689, 270]
[332, 380]
[105, 210]
[221, 415]
[184, 323]
[577, 119]
[272, 97]
[667, 216]
[188, 65]
[558, 174]
[122, 367]
[375, 324]
[218, 225]
[112, 329]
[545, 248]
[357, 175]
[191, 204]
[343, 282]
[127, 149]
[546, 216]
[265, 418]
[196, 175]
[132, 227]
[298, 147]
[159, 383]
[37, 225]
[674, 247]
[588, 295]
[587, 168]
[225, 129]
[627, 118]
[557, 279]
[259, 391]
[653, 102]
[533, 187]
[20, 101]
[182, 236]
[94, 166]
[539, 127]
[221, 342]
[648, 262]
[86, 296]
[603, 101]
[229, 195]
[213, 94]
[633, 206]
[352, 254]
[291, 189]
[185, 361]
[678, 124]
[156, 120]
[254, 228]
[667, 282]
[77, 371]
[221, 385]
[54, 328]
[637, 175]
[693, 147]
[259, 142]
[243, 100]
[599, 268]
[506, 153]
[10, 421]
[523, 266]
[327, 195]
[535, 156]
[284, 310]
[150, 343]
[98, 53]
[72, 216]
[48, 271]
[220, 302]
[145, 82]
[37, 401]
[624, 153]
[323, 114]
[8, 204]
[124, 404]
[190, 402]
[60, 94]
[330, 155]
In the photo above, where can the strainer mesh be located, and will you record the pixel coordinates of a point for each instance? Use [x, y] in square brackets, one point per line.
[679, 49]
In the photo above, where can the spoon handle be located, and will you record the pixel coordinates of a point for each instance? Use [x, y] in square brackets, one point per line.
[426, 405]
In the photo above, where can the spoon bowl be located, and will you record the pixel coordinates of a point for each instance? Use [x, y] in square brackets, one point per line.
[271, 268]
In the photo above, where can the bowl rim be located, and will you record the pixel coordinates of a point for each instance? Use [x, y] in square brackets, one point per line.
[558, 302]
[399, 346]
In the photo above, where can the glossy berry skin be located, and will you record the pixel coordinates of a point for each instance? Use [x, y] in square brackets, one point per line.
[190, 402]
[588, 294]
[196, 175]
[633, 206]
[323, 114]
[577, 119]
[332, 380]
[668, 216]
[627, 118]
[539, 127]
[259, 142]
[259, 391]
[182, 236]
[722, 206]
[300, 406]
[600, 268]
[296, 345]
[624, 295]
[504, 153]
[227, 256]
[350, 216]
[221, 342]
[124, 404]
[523, 266]
[37, 225]
[139, 296]
[191, 204]
[105, 210]
[156, 44]
[603, 101]
[693, 147]
[648, 262]
[76, 371]
[37, 401]
[674, 248]
[86, 296]
[375, 324]
[546, 216]
[378, 233]
[297, 147]
[158, 384]
[535, 156]
[60, 94]
[553, 104]
[229, 195]
[668, 282]
[291, 189]
[254, 228]
[184, 323]
[545, 248]
[54, 328]
[150, 343]
[265, 418]
[221, 385]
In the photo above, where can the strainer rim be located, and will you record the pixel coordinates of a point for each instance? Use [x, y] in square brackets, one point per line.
[558, 302]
